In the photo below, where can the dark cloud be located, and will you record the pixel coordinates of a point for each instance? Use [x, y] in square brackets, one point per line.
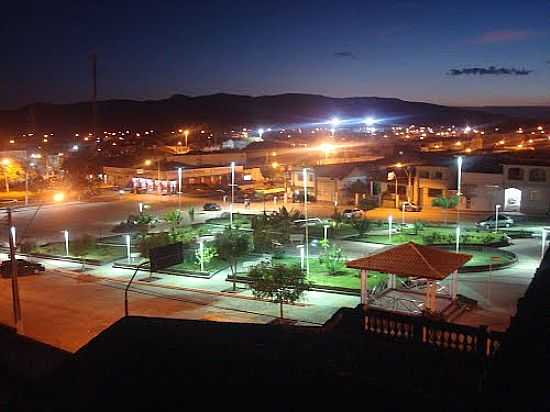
[491, 70]
[346, 54]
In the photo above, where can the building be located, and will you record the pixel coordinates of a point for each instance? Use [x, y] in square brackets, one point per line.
[330, 183]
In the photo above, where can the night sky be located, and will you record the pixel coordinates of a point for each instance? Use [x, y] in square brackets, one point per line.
[469, 52]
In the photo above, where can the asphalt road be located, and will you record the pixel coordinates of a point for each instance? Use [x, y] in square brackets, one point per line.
[47, 222]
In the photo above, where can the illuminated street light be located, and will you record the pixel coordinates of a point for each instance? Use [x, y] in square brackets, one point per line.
[75, 147]
[232, 166]
[390, 224]
[58, 197]
[186, 134]
[261, 132]
[467, 129]
[275, 165]
[497, 207]
[128, 248]
[66, 234]
[148, 162]
[306, 217]
[369, 121]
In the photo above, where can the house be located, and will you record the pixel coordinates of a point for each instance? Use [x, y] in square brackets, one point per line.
[330, 183]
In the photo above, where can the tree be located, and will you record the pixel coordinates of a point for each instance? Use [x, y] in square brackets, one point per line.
[230, 246]
[361, 225]
[175, 218]
[208, 253]
[280, 284]
[445, 203]
[332, 257]
[13, 172]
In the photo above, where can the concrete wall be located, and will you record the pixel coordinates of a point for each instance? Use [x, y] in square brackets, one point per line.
[535, 195]
[482, 191]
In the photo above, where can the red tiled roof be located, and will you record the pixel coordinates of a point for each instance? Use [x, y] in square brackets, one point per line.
[413, 260]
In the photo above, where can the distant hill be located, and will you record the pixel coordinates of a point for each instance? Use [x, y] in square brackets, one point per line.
[222, 111]
[541, 113]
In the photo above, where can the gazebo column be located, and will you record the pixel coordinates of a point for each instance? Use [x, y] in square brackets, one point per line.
[429, 304]
[364, 287]
[454, 284]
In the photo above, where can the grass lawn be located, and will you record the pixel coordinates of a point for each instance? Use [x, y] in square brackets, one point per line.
[102, 253]
[345, 278]
[345, 229]
[243, 221]
[483, 257]
[431, 234]
[191, 265]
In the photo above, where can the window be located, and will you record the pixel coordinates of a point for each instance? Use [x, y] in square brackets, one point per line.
[537, 175]
[435, 192]
[424, 174]
[534, 195]
[437, 175]
[515, 173]
[299, 177]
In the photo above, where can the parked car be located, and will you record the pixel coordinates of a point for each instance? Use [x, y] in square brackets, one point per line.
[351, 213]
[491, 222]
[24, 268]
[410, 207]
[310, 222]
[211, 207]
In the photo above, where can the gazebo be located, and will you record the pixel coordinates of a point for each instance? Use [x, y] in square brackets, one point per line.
[410, 260]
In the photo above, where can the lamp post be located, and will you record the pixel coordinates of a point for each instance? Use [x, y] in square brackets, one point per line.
[66, 234]
[301, 249]
[325, 232]
[180, 177]
[497, 207]
[140, 208]
[403, 214]
[390, 224]
[306, 217]
[186, 134]
[201, 253]
[128, 248]
[232, 194]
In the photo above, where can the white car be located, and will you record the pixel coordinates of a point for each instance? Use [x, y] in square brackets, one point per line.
[351, 213]
[310, 222]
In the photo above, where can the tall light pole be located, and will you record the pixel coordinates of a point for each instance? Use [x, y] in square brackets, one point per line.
[454, 275]
[545, 231]
[334, 122]
[186, 134]
[390, 224]
[66, 235]
[180, 177]
[306, 217]
[128, 248]
[497, 207]
[232, 194]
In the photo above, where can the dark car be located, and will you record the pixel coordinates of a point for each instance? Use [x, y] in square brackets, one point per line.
[299, 197]
[24, 268]
[211, 207]
[491, 222]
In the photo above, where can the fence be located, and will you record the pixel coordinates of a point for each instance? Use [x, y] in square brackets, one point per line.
[443, 335]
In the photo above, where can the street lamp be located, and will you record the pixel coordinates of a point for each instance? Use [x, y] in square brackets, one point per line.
[261, 132]
[325, 232]
[390, 224]
[232, 194]
[128, 248]
[180, 181]
[201, 253]
[497, 207]
[334, 122]
[186, 134]
[306, 217]
[66, 234]
[301, 249]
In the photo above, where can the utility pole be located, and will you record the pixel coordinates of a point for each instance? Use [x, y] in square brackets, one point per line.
[14, 285]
